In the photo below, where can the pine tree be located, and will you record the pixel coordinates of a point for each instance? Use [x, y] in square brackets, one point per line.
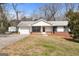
[73, 22]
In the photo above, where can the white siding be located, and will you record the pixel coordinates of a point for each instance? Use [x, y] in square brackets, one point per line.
[48, 29]
[12, 29]
[30, 29]
[24, 30]
[60, 29]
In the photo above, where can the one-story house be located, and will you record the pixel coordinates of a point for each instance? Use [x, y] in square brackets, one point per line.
[41, 25]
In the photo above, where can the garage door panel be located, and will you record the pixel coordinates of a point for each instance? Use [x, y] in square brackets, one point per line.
[60, 29]
[24, 30]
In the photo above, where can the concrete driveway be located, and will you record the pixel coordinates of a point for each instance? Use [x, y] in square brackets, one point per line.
[6, 40]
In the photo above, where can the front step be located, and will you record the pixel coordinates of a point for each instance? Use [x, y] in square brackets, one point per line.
[44, 33]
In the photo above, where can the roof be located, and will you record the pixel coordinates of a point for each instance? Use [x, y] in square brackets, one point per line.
[61, 18]
[41, 22]
[25, 23]
[58, 23]
[53, 23]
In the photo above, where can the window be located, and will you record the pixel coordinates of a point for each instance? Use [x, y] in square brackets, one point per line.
[36, 29]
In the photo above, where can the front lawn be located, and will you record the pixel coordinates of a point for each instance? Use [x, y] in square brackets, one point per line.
[36, 45]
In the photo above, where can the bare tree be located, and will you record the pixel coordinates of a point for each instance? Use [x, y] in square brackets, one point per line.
[49, 10]
[16, 10]
[70, 6]
[35, 15]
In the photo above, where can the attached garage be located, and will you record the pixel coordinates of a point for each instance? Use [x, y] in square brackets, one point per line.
[24, 30]
[60, 29]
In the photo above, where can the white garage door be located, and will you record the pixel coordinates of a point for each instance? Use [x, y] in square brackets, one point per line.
[24, 31]
[60, 29]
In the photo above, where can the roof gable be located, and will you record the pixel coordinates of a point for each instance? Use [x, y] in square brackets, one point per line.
[41, 23]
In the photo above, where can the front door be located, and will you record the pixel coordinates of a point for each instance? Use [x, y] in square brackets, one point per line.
[43, 29]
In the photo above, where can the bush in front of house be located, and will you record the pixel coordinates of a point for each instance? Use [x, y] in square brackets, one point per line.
[2, 30]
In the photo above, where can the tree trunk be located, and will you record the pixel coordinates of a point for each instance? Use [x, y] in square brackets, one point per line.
[17, 15]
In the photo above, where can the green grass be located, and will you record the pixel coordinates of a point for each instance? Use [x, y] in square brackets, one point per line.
[37, 45]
